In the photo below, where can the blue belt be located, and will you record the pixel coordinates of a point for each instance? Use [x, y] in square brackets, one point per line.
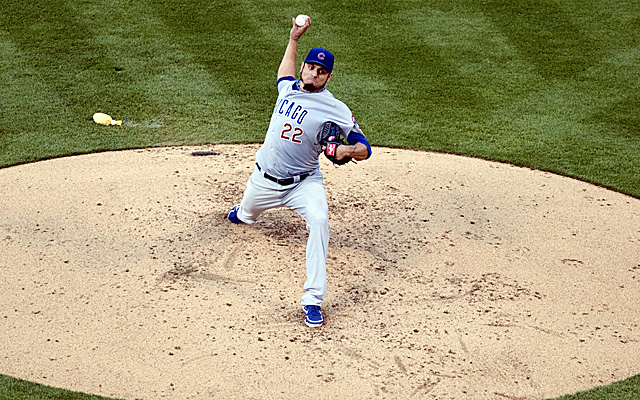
[283, 181]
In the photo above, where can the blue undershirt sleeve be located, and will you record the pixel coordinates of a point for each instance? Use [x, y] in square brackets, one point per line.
[355, 137]
[285, 78]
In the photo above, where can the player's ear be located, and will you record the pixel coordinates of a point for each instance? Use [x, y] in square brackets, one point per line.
[329, 78]
[301, 67]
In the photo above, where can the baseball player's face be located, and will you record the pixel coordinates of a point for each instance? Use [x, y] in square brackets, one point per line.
[314, 77]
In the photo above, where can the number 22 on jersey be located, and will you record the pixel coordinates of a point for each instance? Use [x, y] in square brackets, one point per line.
[291, 133]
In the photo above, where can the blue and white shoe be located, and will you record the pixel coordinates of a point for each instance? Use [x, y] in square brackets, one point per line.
[312, 316]
[233, 214]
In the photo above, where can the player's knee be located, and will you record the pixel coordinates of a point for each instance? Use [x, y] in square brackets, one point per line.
[318, 220]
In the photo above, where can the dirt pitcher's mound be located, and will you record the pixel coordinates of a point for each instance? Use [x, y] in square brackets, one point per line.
[449, 278]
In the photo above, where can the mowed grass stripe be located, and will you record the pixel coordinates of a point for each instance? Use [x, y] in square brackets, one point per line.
[32, 103]
[165, 86]
[546, 34]
[158, 83]
[32, 98]
[580, 81]
[56, 45]
[474, 74]
[528, 116]
[572, 47]
[60, 47]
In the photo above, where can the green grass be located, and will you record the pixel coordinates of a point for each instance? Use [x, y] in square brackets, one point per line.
[548, 84]
[18, 389]
[628, 389]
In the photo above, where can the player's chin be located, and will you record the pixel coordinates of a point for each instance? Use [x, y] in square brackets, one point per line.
[312, 87]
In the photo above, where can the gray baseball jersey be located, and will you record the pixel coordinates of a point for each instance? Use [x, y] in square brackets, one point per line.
[291, 144]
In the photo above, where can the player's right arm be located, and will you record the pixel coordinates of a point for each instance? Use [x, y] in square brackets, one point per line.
[288, 64]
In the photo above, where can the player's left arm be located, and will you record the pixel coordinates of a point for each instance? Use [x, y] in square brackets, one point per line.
[358, 148]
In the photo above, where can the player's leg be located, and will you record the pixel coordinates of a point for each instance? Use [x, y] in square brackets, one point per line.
[310, 201]
[256, 199]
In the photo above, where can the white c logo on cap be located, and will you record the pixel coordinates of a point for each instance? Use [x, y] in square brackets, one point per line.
[321, 56]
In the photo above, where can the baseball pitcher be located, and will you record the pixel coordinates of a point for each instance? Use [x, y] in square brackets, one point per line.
[306, 121]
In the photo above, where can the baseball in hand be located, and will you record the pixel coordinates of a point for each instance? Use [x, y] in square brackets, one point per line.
[301, 20]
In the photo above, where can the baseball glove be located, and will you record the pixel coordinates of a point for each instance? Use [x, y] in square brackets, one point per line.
[330, 140]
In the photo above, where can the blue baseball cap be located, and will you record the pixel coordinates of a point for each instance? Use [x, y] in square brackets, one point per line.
[320, 56]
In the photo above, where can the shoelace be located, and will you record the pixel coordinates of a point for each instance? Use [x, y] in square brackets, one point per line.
[313, 312]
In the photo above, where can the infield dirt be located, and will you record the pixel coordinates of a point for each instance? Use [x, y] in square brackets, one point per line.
[449, 278]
